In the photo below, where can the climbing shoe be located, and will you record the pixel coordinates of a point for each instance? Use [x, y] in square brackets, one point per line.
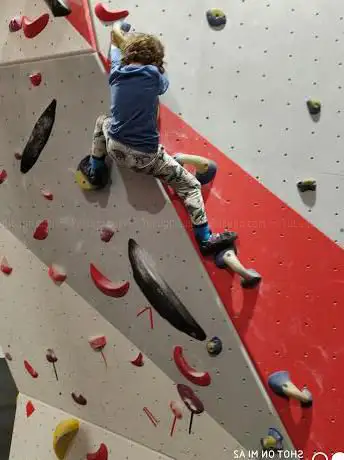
[95, 171]
[217, 242]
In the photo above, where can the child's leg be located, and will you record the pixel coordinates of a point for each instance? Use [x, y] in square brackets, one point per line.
[99, 136]
[187, 187]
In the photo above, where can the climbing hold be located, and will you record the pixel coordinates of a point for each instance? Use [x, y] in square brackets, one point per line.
[205, 169]
[30, 409]
[18, 156]
[200, 378]
[162, 298]
[36, 79]
[103, 14]
[5, 267]
[30, 369]
[177, 410]
[88, 183]
[8, 356]
[106, 286]
[101, 454]
[314, 106]
[52, 358]
[47, 195]
[214, 346]
[307, 185]
[64, 435]
[273, 441]
[57, 274]
[42, 230]
[216, 18]
[3, 175]
[98, 343]
[281, 385]
[15, 24]
[59, 8]
[38, 138]
[79, 399]
[125, 27]
[33, 27]
[191, 401]
[228, 259]
[138, 361]
[106, 233]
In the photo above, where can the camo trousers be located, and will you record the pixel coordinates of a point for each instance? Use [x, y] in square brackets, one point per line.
[159, 165]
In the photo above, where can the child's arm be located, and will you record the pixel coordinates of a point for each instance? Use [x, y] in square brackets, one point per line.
[164, 84]
[117, 41]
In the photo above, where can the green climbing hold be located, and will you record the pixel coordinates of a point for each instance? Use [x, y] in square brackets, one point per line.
[314, 106]
[216, 18]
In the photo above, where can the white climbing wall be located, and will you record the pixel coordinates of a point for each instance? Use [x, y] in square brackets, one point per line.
[245, 89]
[27, 438]
[58, 38]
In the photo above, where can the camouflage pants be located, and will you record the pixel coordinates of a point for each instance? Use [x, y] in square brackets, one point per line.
[159, 165]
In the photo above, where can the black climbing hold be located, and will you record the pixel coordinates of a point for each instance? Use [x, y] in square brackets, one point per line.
[98, 178]
[307, 185]
[59, 8]
[39, 137]
[216, 18]
[214, 346]
[159, 294]
[314, 106]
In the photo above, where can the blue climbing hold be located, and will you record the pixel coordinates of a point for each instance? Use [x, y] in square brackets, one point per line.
[216, 18]
[208, 176]
[125, 27]
[277, 380]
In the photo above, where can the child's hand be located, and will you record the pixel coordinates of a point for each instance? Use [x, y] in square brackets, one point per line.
[117, 38]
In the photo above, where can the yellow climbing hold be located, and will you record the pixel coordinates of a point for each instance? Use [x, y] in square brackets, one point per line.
[83, 182]
[64, 434]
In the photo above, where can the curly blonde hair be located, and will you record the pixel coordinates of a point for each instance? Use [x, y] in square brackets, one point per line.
[144, 49]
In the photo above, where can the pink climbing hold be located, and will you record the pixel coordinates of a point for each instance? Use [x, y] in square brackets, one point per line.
[47, 195]
[3, 175]
[15, 24]
[42, 230]
[103, 14]
[36, 79]
[34, 27]
[5, 267]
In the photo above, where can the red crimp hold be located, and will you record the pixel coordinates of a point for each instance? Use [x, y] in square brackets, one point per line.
[34, 27]
[36, 79]
[3, 175]
[103, 14]
[30, 369]
[15, 24]
[30, 409]
[138, 361]
[5, 267]
[42, 230]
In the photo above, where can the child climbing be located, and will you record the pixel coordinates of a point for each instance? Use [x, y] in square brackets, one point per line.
[130, 135]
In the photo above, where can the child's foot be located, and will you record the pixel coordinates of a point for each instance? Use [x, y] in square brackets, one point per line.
[95, 170]
[217, 242]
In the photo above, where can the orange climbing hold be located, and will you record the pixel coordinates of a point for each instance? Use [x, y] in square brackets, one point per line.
[42, 230]
[106, 286]
[5, 267]
[33, 27]
[103, 14]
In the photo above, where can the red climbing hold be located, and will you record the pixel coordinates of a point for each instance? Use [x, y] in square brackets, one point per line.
[15, 24]
[97, 342]
[34, 27]
[42, 230]
[106, 233]
[138, 361]
[101, 454]
[30, 409]
[57, 274]
[103, 14]
[36, 79]
[5, 267]
[106, 286]
[47, 195]
[200, 378]
[3, 176]
[30, 369]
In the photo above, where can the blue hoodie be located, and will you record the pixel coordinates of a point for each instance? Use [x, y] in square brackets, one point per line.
[135, 92]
